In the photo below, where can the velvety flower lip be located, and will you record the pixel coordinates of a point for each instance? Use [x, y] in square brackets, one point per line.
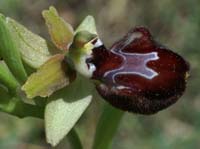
[139, 75]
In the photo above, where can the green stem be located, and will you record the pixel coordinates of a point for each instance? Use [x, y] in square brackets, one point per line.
[15, 106]
[74, 140]
[23, 110]
[7, 79]
[20, 109]
[107, 127]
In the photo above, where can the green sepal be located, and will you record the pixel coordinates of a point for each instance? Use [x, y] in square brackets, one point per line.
[65, 108]
[34, 50]
[88, 24]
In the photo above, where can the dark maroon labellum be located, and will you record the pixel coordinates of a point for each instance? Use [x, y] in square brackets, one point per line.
[139, 75]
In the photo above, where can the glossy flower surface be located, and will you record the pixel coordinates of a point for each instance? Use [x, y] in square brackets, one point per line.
[137, 74]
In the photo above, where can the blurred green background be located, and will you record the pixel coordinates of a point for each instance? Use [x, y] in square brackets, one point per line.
[176, 24]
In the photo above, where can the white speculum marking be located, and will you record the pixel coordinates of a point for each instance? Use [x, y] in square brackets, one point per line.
[133, 63]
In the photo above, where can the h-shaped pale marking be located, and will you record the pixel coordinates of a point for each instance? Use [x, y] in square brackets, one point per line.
[137, 61]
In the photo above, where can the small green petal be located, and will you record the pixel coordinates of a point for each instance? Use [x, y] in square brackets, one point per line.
[50, 77]
[60, 31]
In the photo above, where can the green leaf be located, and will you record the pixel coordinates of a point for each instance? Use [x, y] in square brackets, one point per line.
[65, 108]
[60, 31]
[9, 50]
[107, 127]
[50, 77]
[33, 48]
[7, 79]
[88, 24]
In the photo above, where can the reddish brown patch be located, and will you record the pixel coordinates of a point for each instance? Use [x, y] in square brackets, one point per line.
[139, 75]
